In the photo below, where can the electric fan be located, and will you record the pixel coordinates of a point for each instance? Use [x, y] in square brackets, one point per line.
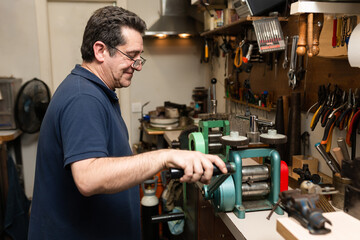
[31, 103]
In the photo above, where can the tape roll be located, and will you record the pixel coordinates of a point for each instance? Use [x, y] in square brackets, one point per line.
[197, 142]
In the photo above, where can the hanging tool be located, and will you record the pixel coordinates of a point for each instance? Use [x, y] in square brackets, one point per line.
[310, 26]
[333, 42]
[206, 52]
[301, 49]
[239, 55]
[317, 28]
[326, 140]
[286, 61]
[293, 59]
[350, 27]
[321, 99]
[338, 32]
[343, 30]
[340, 123]
[354, 109]
[269, 35]
[300, 72]
[337, 98]
[352, 128]
[323, 94]
[310, 18]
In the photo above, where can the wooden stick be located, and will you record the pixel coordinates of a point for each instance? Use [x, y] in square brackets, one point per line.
[318, 25]
[301, 49]
[310, 39]
[338, 155]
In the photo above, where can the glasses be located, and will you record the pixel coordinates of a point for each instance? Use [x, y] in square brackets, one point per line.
[137, 62]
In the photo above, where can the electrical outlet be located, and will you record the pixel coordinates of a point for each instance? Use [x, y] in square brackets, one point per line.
[136, 107]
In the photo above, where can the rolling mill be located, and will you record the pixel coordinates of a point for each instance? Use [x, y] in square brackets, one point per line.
[180, 119]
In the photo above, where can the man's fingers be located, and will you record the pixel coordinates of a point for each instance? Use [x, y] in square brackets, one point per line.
[218, 162]
[198, 171]
[208, 169]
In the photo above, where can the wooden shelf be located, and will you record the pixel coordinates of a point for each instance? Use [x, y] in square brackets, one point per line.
[235, 27]
[268, 109]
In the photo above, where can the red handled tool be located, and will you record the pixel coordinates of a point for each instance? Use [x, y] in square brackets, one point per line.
[334, 32]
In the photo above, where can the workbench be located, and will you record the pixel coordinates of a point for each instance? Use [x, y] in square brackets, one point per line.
[343, 226]
[163, 137]
[255, 226]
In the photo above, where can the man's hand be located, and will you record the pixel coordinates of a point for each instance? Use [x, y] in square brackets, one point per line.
[197, 166]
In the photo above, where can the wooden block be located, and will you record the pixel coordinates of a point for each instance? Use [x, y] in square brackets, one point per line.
[343, 226]
[299, 161]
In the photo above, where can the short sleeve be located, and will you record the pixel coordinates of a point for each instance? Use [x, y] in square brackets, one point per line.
[83, 129]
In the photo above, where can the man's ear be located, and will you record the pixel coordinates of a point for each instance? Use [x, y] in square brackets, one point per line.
[100, 50]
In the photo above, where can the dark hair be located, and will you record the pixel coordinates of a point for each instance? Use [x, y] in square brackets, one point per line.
[106, 25]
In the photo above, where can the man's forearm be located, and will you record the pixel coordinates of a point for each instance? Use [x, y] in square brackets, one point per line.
[111, 175]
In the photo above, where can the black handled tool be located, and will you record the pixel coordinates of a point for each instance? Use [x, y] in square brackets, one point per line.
[176, 173]
[167, 217]
[329, 159]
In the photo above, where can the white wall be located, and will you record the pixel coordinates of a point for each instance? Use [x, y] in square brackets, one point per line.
[20, 58]
[171, 72]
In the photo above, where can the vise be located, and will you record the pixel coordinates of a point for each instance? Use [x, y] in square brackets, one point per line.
[302, 207]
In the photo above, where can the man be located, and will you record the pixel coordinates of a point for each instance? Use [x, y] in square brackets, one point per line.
[86, 181]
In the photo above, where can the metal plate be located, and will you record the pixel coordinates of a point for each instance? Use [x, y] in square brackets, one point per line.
[273, 139]
[234, 142]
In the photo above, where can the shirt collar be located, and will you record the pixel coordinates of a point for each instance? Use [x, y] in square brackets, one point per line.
[79, 70]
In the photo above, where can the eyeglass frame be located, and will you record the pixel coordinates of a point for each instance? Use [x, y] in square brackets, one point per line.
[136, 62]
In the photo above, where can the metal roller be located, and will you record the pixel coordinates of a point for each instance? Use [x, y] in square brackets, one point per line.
[215, 145]
[255, 189]
[215, 135]
[255, 173]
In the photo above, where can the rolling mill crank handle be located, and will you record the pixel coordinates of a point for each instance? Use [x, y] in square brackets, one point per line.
[176, 173]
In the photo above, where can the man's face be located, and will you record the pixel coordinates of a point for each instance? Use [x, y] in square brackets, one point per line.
[121, 70]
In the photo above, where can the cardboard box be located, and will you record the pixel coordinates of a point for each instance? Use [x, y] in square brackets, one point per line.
[299, 161]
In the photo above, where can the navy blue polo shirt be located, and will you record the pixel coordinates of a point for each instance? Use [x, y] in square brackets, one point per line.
[82, 121]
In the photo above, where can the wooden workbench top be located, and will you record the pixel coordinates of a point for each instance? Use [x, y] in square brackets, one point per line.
[9, 135]
[343, 227]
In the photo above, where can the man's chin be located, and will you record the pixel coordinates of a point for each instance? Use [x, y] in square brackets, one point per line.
[125, 84]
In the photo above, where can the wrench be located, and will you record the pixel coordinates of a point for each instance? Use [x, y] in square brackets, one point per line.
[293, 59]
[286, 61]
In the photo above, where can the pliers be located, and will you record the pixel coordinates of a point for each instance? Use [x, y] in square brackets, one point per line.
[323, 97]
[329, 128]
[337, 98]
[354, 120]
[346, 113]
